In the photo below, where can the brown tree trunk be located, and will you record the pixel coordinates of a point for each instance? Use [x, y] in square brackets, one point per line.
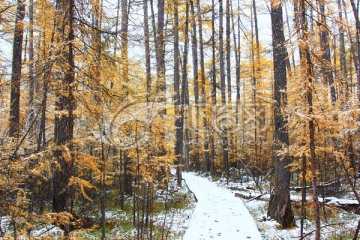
[280, 203]
[160, 52]
[357, 59]
[124, 43]
[343, 64]
[325, 63]
[185, 94]
[308, 74]
[214, 85]
[177, 94]
[64, 123]
[147, 51]
[196, 85]
[32, 79]
[223, 133]
[14, 130]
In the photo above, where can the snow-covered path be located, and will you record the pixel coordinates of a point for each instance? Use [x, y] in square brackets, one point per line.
[218, 213]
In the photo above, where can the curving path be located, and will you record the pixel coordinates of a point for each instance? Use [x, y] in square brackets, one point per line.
[218, 213]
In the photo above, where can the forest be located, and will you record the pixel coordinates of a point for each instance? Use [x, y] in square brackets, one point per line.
[111, 111]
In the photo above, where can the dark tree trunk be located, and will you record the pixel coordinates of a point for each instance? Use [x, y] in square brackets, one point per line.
[223, 90]
[124, 43]
[194, 48]
[14, 130]
[185, 94]
[147, 51]
[221, 53]
[177, 94]
[228, 52]
[357, 59]
[213, 83]
[280, 203]
[32, 79]
[343, 64]
[327, 74]
[64, 123]
[160, 52]
[308, 77]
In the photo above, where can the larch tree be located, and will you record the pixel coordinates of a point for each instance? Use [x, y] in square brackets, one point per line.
[225, 155]
[177, 97]
[14, 130]
[185, 101]
[65, 105]
[307, 66]
[280, 203]
[327, 72]
[195, 63]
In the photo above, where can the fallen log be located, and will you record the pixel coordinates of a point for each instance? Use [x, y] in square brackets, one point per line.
[345, 204]
[335, 184]
[250, 198]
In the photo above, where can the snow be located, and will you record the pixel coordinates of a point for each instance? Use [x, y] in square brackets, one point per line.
[218, 213]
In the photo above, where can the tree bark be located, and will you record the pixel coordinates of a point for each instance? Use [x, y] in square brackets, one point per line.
[328, 77]
[308, 75]
[177, 94]
[160, 53]
[196, 85]
[357, 59]
[14, 130]
[280, 203]
[185, 94]
[64, 122]
[147, 51]
[224, 137]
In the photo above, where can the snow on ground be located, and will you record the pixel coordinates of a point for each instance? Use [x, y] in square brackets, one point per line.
[334, 228]
[218, 213]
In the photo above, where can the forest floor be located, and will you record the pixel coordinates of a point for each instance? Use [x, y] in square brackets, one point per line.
[218, 213]
[336, 223]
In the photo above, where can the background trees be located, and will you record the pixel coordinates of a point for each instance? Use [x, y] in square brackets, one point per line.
[110, 95]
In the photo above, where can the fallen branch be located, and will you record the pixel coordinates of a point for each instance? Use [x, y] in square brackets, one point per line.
[251, 198]
[335, 183]
[328, 225]
[257, 197]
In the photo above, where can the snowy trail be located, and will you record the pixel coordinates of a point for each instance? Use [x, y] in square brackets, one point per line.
[218, 213]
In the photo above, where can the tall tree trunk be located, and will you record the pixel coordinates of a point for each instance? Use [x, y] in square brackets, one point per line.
[65, 104]
[280, 203]
[256, 74]
[357, 59]
[214, 85]
[32, 79]
[194, 48]
[236, 40]
[223, 90]
[14, 130]
[160, 52]
[343, 64]
[308, 75]
[124, 44]
[228, 52]
[147, 51]
[185, 94]
[328, 77]
[177, 94]
[206, 158]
